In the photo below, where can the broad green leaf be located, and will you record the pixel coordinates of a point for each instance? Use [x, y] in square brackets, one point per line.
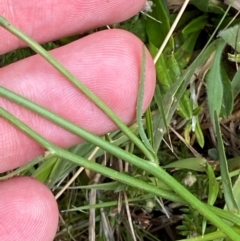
[161, 108]
[158, 31]
[213, 185]
[168, 71]
[232, 37]
[173, 66]
[185, 106]
[185, 51]
[236, 83]
[163, 76]
[172, 97]
[234, 163]
[45, 170]
[214, 83]
[228, 93]
[187, 16]
[137, 27]
[195, 164]
[208, 6]
[216, 9]
[236, 190]
[187, 131]
[199, 134]
[226, 180]
[195, 25]
[202, 5]
[213, 189]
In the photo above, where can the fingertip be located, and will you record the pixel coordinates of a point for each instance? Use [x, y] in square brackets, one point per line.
[28, 211]
[50, 20]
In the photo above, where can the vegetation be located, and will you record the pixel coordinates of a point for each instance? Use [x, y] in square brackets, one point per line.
[174, 174]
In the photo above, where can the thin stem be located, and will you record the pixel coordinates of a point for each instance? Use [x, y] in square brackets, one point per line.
[115, 175]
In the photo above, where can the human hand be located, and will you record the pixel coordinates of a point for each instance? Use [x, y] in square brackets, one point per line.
[108, 62]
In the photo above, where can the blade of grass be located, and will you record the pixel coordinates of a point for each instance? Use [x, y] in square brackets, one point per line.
[213, 190]
[23, 168]
[115, 175]
[226, 181]
[236, 83]
[140, 103]
[172, 97]
[149, 127]
[158, 98]
[114, 150]
[228, 99]
[214, 83]
[154, 169]
[70, 77]
[231, 36]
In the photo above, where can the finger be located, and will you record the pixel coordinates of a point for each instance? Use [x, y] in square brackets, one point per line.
[51, 20]
[108, 62]
[28, 211]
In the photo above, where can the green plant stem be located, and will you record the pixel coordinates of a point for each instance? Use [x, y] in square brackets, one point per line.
[114, 150]
[171, 99]
[140, 104]
[115, 175]
[226, 180]
[77, 83]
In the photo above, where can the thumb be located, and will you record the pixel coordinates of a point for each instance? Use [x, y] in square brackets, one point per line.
[28, 211]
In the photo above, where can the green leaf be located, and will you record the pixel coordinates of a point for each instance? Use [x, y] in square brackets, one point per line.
[184, 53]
[140, 104]
[202, 5]
[195, 25]
[232, 37]
[236, 190]
[226, 181]
[199, 133]
[214, 83]
[172, 97]
[158, 31]
[236, 84]
[163, 75]
[216, 9]
[137, 27]
[213, 189]
[187, 16]
[44, 171]
[195, 164]
[228, 92]
[118, 176]
[213, 185]
[149, 125]
[186, 106]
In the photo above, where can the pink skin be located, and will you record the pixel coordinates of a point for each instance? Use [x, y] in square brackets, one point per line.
[28, 210]
[108, 62]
